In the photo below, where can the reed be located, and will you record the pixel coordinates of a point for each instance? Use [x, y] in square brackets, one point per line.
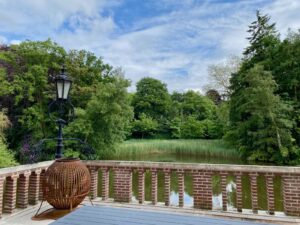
[200, 147]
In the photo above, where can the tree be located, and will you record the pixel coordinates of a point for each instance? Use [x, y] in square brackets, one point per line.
[29, 68]
[105, 121]
[286, 67]
[6, 158]
[264, 41]
[194, 104]
[151, 98]
[192, 128]
[27, 88]
[219, 75]
[144, 126]
[260, 128]
[214, 95]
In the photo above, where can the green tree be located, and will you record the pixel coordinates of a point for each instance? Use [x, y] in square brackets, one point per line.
[29, 67]
[193, 116]
[263, 40]
[286, 71]
[145, 126]
[194, 104]
[260, 128]
[6, 157]
[192, 128]
[98, 93]
[105, 120]
[151, 98]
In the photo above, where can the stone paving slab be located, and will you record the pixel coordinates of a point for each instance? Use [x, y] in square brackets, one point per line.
[23, 216]
[93, 215]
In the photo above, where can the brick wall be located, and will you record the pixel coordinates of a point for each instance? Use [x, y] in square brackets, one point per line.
[122, 184]
[291, 194]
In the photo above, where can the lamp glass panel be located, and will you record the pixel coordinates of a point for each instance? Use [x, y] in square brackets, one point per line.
[59, 86]
[66, 89]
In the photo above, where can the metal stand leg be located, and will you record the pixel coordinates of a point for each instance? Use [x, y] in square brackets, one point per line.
[91, 200]
[39, 208]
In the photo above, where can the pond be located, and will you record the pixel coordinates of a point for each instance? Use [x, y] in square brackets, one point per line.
[188, 195]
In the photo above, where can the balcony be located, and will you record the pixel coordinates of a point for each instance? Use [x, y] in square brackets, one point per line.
[20, 187]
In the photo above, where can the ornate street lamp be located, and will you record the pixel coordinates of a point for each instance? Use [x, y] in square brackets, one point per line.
[61, 111]
[63, 107]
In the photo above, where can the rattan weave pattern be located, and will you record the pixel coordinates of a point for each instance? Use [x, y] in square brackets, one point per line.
[66, 183]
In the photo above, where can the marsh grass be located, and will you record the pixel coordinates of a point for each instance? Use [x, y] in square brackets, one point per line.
[200, 147]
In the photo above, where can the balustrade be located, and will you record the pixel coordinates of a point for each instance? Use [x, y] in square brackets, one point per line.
[202, 175]
[21, 185]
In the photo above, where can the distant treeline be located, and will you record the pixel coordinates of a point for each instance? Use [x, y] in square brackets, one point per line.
[158, 114]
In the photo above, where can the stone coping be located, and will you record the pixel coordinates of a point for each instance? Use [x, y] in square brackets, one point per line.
[195, 166]
[15, 170]
[160, 165]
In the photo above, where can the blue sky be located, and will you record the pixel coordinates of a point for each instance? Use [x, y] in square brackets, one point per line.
[171, 40]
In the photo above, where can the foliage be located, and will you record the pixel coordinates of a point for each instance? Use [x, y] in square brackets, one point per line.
[264, 126]
[145, 126]
[6, 158]
[223, 117]
[214, 95]
[98, 93]
[263, 40]
[192, 128]
[193, 116]
[105, 121]
[151, 98]
[260, 125]
[175, 127]
[194, 104]
[29, 70]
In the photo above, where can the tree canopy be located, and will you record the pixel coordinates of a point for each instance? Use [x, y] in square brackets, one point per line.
[98, 92]
[263, 124]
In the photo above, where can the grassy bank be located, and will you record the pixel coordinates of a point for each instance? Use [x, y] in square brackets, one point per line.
[207, 148]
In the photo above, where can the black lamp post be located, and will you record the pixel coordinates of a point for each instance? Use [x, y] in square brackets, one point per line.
[61, 111]
[63, 85]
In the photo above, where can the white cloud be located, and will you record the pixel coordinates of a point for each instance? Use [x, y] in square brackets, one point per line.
[15, 42]
[175, 46]
[3, 40]
[285, 14]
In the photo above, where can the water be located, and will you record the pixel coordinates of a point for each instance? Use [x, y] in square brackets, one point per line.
[188, 191]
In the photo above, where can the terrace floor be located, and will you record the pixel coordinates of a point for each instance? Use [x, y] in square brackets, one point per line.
[122, 214]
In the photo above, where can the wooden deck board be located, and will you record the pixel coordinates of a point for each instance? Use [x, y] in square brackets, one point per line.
[89, 215]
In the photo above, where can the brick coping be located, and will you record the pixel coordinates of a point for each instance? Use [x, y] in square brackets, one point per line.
[195, 166]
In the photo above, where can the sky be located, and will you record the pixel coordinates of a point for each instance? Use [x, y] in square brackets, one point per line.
[170, 40]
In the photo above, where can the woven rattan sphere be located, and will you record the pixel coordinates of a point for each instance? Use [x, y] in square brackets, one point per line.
[66, 183]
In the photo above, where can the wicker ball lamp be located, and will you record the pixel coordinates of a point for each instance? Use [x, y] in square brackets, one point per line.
[66, 183]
